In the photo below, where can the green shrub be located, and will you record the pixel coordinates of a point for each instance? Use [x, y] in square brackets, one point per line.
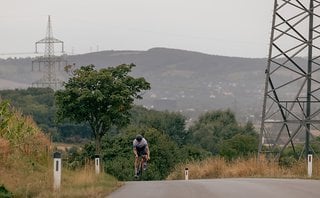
[4, 193]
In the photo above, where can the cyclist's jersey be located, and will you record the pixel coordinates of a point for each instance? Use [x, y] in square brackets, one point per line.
[140, 146]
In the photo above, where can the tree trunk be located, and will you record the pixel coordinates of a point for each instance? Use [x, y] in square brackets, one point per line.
[98, 144]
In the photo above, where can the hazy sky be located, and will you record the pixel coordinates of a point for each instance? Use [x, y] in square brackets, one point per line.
[220, 27]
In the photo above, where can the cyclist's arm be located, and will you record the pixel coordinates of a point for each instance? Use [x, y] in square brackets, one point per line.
[148, 152]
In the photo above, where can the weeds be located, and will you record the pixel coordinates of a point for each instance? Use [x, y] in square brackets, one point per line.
[221, 168]
[26, 163]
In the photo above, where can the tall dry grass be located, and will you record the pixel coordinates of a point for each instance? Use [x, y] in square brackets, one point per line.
[83, 183]
[37, 181]
[25, 153]
[26, 163]
[220, 168]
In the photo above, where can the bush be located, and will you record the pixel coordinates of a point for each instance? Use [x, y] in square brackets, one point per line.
[119, 158]
[4, 193]
[287, 161]
[238, 146]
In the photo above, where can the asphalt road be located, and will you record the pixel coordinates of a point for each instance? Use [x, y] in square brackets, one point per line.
[221, 188]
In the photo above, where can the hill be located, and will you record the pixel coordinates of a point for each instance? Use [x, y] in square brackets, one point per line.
[8, 84]
[186, 81]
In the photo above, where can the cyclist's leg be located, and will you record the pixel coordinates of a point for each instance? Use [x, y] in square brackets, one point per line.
[144, 162]
[139, 162]
[136, 165]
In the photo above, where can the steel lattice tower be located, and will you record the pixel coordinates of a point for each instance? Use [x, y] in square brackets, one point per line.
[49, 60]
[291, 106]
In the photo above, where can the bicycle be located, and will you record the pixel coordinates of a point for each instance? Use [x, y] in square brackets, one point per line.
[141, 166]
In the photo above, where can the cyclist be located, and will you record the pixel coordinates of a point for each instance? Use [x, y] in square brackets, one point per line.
[140, 149]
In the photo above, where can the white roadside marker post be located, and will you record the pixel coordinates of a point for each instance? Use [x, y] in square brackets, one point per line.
[310, 165]
[97, 164]
[56, 171]
[186, 174]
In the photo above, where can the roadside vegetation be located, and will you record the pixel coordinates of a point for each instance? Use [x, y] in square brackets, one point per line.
[26, 168]
[215, 136]
[251, 167]
[100, 118]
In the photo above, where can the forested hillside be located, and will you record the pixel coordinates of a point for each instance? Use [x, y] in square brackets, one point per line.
[39, 104]
[185, 81]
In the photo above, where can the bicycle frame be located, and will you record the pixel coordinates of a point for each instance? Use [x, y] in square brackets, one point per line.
[141, 159]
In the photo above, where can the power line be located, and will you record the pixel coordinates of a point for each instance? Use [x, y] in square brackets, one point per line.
[49, 60]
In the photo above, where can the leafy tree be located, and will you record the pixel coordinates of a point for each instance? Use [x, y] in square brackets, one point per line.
[102, 98]
[219, 133]
[211, 128]
[239, 145]
[36, 102]
[70, 132]
[118, 154]
[166, 153]
[170, 123]
[39, 103]
[193, 153]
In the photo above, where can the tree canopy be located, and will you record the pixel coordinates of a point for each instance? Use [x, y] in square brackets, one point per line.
[219, 133]
[170, 123]
[39, 103]
[102, 98]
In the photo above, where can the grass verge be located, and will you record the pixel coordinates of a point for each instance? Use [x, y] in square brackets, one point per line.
[26, 163]
[25, 178]
[220, 168]
[84, 183]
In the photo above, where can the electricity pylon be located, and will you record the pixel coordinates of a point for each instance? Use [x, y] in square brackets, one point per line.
[291, 106]
[49, 60]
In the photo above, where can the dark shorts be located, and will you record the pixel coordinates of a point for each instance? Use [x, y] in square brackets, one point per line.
[141, 151]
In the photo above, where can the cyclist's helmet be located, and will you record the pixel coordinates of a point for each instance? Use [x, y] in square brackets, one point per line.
[139, 138]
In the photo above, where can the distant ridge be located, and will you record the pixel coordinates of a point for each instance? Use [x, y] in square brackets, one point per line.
[8, 84]
[195, 82]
